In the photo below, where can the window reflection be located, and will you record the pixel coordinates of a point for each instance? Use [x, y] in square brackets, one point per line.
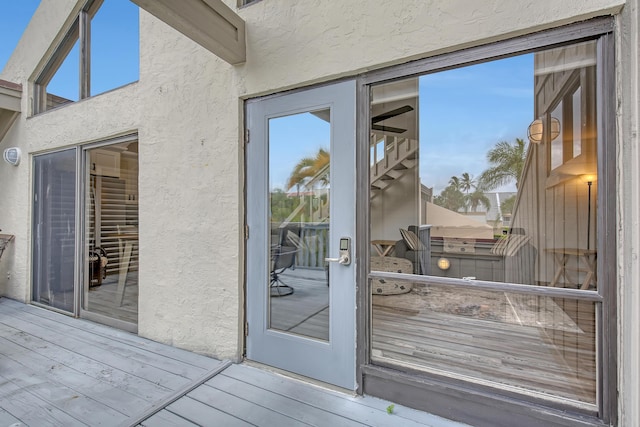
[299, 199]
[459, 190]
[111, 232]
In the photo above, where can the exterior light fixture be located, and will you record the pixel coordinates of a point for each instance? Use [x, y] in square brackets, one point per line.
[444, 264]
[535, 131]
[12, 156]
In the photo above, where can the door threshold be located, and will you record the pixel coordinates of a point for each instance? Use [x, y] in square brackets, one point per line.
[301, 378]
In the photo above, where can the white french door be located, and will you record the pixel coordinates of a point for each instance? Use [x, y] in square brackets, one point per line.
[301, 218]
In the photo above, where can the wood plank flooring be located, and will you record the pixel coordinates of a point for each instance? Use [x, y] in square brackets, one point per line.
[59, 371]
[243, 395]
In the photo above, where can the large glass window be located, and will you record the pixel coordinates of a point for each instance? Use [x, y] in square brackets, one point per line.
[487, 174]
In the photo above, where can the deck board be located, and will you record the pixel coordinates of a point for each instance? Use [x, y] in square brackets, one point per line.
[204, 415]
[239, 407]
[63, 383]
[165, 418]
[285, 405]
[56, 370]
[58, 356]
[30, 409]
[127, 338]
[351, 408]
[165, 371]
[6, 419]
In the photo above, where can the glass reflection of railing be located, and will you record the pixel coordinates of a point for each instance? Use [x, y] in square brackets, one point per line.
[312, 241]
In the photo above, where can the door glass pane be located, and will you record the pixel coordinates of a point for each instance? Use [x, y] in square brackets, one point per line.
[54, 206]
[458, 190]
[111, 231]
[299, 222]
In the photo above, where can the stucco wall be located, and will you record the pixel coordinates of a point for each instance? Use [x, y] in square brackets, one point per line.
[316, 40]
[190, 197]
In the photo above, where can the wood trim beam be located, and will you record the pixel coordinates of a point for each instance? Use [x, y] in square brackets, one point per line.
[210, 23]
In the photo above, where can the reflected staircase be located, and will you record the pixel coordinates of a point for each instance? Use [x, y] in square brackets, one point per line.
[391, 158]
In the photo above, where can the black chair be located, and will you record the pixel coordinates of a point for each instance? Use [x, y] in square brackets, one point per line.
[282, 257]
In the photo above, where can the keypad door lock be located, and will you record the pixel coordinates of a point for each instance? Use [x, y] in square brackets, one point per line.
[345, 252]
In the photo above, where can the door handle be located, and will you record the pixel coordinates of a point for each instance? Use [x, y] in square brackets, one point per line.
[344, 260]
[345, 252]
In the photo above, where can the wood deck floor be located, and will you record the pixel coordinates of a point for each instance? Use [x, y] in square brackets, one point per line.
[60, 371]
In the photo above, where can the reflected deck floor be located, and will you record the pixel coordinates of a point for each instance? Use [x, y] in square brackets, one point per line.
[517, 341]
[486, 350]
[104, 299]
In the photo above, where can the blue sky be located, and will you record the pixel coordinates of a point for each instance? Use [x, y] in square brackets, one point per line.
[114, 46]
[13, 20]
[464, 112]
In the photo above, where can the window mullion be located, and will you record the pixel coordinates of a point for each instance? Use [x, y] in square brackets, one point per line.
[85, 55]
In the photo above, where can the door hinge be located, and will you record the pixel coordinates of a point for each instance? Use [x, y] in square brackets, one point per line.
[246, 232]
[246, 136]
[246, 329]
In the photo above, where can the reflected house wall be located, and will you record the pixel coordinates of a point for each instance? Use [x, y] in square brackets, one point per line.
[398, 205]
[552, 205]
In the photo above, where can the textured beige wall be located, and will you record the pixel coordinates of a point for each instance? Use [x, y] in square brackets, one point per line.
[316, 40]
[190, 199]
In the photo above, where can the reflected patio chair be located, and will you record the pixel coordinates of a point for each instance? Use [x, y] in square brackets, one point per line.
[282, 258]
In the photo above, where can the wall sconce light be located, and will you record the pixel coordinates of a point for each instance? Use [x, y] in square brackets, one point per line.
[535, 131]
[12, 155]
[444, 264]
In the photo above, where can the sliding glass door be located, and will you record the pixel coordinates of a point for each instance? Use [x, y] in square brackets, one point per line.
[54, 213]
[110, 286]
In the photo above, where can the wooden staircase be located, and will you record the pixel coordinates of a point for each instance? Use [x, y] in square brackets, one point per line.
[390, 161]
